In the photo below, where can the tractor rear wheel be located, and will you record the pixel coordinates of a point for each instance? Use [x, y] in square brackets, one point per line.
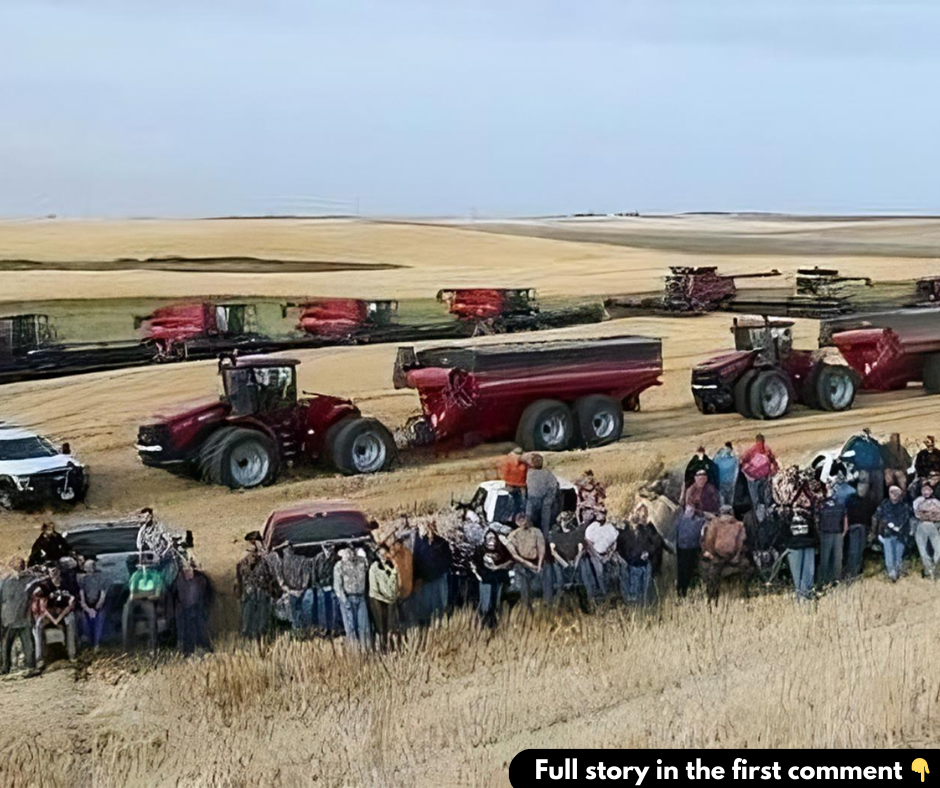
[770, 395]
[546, 425]
[834, 388]
[240, 458]
[599, 419]
[742, 398]
[931, 374]
[357, 445]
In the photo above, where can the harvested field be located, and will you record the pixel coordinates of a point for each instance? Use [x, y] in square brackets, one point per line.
[742, 675]
[205, 265]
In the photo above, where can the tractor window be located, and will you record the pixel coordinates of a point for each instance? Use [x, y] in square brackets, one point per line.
[241, 391]
[278, 385]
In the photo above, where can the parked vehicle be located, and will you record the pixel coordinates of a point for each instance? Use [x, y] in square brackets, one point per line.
[496, 507]
[259, 425]
[343, 317]
[764, 376]
[311, 525]
[889, 349]
[549, 396]
[36, 472]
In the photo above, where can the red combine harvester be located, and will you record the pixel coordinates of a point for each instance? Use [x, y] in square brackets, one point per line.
[889, 349]
[549, 396]
[181, 331]
[764, 376]
[259, 425]
[344, 317]
[491, 310]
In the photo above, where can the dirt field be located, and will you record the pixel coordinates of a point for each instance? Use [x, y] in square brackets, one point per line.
[684, 680]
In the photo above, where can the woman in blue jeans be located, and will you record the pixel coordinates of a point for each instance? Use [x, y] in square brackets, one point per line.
[801, 553]
[893, 525]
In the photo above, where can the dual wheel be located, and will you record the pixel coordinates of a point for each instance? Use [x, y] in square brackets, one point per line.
[550, 425]
[240, 457]
[769, 393]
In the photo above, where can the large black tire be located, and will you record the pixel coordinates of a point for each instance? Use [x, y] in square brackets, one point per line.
[357, 445]
[598, 419]
[834, 388]
[770, 395]
[742, 393]
[7, 496]
[242, 458]
[546, 425]
[931, 374]
[209, 461]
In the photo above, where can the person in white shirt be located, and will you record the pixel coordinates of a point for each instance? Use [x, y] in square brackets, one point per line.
[600, 544]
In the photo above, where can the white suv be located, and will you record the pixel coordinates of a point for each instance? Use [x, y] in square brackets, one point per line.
[36, 472]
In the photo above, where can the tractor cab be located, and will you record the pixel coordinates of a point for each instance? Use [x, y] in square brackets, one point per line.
[771, 338]
[258, 384]
[20, 334]
[235, 319]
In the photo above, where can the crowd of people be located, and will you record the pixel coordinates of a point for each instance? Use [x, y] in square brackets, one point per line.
[59, 595]
[734, 513]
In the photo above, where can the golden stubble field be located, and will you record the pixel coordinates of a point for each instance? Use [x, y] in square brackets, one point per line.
[743, 675]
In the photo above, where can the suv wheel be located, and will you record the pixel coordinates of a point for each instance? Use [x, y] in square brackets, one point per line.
[6, 496]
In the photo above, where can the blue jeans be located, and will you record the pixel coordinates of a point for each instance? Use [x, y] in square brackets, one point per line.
[94, 627]
[854, 550]
[356, 619]
[491, 597]
[539, 511]
[803, 568]
[894, 554]
[517, 494]
[325, 610]
[528, 578]
[301, 609]
[635, 583]
[434, 598]
[592, 576]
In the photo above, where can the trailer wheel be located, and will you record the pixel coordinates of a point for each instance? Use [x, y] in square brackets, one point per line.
[7, 496]
[546, 425]
[357, 445]
[599, 419]
[770, 395]
[742, 399]
[834, 388]
[246, 458]
[931, 374]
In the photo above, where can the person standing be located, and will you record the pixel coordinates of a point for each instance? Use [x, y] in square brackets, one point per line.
[350, 576]
[50, 546]
[295, 577]
[492, 570]
[56, 610]
[193, 594]
[726, 461]
[896, 460]
[688, 548]
[526, 546]
[402, 558]
[592, 498]
[801, 553]
[833, 524]
[858, 510]
[92, 594]
[15, 623]
[759, 466]
[722, 544]
[541, 494]
[926, 533]
[701, 462]
[566, 546]
[637, 545]
[927, 460]
[702, 495]
[513, 471]
[383, 597]
[433, 560]
[893, 523]
[600, 546]
[255, 587]
[146, 588]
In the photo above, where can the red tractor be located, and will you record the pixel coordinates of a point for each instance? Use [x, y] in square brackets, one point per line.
[259, 425]
[764, 376]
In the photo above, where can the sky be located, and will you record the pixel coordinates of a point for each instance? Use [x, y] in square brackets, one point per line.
[482, 108]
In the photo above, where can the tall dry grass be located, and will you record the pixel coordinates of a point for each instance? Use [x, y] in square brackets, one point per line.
[454, 704]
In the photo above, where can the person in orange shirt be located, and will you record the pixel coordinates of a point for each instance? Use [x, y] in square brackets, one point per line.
[514, 471]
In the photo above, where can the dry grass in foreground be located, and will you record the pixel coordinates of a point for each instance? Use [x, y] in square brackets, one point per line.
[452, 708]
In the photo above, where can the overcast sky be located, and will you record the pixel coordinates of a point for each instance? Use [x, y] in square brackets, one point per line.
[432, 107]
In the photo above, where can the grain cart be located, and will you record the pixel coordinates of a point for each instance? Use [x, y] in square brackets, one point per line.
[549, 396]
[764, 376]
[259, 425]
[889, 349]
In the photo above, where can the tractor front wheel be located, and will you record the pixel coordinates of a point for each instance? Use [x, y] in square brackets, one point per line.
[239, 458]
[742, 394]
[770, 395]
[357, 445]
